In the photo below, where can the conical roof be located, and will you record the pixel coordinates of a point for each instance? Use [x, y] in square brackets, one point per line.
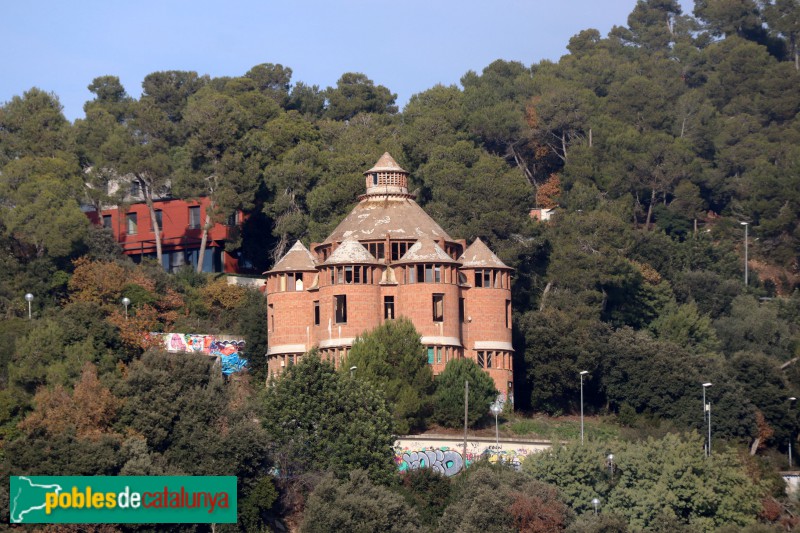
[425, 250]
[478, 255]
[382, 217]
[349, 252]
[298, 258]
[386, 163]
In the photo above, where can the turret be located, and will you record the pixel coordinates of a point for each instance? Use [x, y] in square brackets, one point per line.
[486, 286]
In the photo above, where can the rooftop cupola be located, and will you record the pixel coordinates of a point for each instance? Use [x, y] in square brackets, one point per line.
[386, 177]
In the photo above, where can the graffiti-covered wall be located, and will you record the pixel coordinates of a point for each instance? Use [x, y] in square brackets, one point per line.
[446, 456]
[229, 351]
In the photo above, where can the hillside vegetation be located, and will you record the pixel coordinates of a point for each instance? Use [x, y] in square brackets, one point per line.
[653, 144]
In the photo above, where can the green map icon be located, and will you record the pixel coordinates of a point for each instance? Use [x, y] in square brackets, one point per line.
[28, 499]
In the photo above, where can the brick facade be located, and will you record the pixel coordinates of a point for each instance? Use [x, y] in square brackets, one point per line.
[388, 259]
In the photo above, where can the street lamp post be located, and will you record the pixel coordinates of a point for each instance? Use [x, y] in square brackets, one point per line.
[126, 302]
[610, 461]
[582, 373]
[29, 299]
[792, 399]
[745, 224]
[352, 370]
[707, 409]
[596, 503]
[495, 408]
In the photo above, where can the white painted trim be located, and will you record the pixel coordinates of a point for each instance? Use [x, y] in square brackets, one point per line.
[286, 348]
[493, 345]
[449, 341]
[337, 343]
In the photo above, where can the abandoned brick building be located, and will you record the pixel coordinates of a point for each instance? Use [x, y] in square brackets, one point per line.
[389, 259]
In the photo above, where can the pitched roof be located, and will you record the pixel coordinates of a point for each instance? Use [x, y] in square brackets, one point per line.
[350, 251]
[479, 255]
[298, 258]
[386, 163]
[425, 250]
[379, 217]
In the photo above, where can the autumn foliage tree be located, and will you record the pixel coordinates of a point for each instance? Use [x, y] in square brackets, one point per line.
[548, 192]
[89, 410]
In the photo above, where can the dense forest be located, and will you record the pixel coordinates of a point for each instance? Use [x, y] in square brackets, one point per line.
[655, 144]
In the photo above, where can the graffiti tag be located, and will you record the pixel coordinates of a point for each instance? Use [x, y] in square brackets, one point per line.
[447, 462]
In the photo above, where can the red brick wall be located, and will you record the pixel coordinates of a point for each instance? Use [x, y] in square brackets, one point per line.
[485, 306]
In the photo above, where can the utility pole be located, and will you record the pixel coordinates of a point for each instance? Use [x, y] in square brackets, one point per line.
[746, 267]
[466, 411]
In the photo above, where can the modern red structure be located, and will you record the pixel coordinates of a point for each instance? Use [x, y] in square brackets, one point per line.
[388, 259]
[181, 232]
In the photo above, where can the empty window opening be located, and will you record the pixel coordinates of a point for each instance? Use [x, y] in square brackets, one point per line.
[340, 308]
[316, 312]
[412, 274]
[376, 249]
[399, 249]
[294, 281]
[388, 307]
[438, 307]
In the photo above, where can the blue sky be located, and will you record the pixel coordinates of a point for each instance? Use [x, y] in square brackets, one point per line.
[408, 46]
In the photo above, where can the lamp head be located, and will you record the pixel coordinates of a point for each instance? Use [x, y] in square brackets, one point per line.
[29, 297]
[495, 409]
[126, 301]
[744, 223]
[595, 501]
[584, 372]
[707, 384]
[792, 399]
[353, 368]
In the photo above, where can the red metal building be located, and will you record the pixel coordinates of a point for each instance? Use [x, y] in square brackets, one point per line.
[181, 231]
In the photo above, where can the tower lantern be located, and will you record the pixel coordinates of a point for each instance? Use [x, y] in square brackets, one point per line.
[386, 177]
